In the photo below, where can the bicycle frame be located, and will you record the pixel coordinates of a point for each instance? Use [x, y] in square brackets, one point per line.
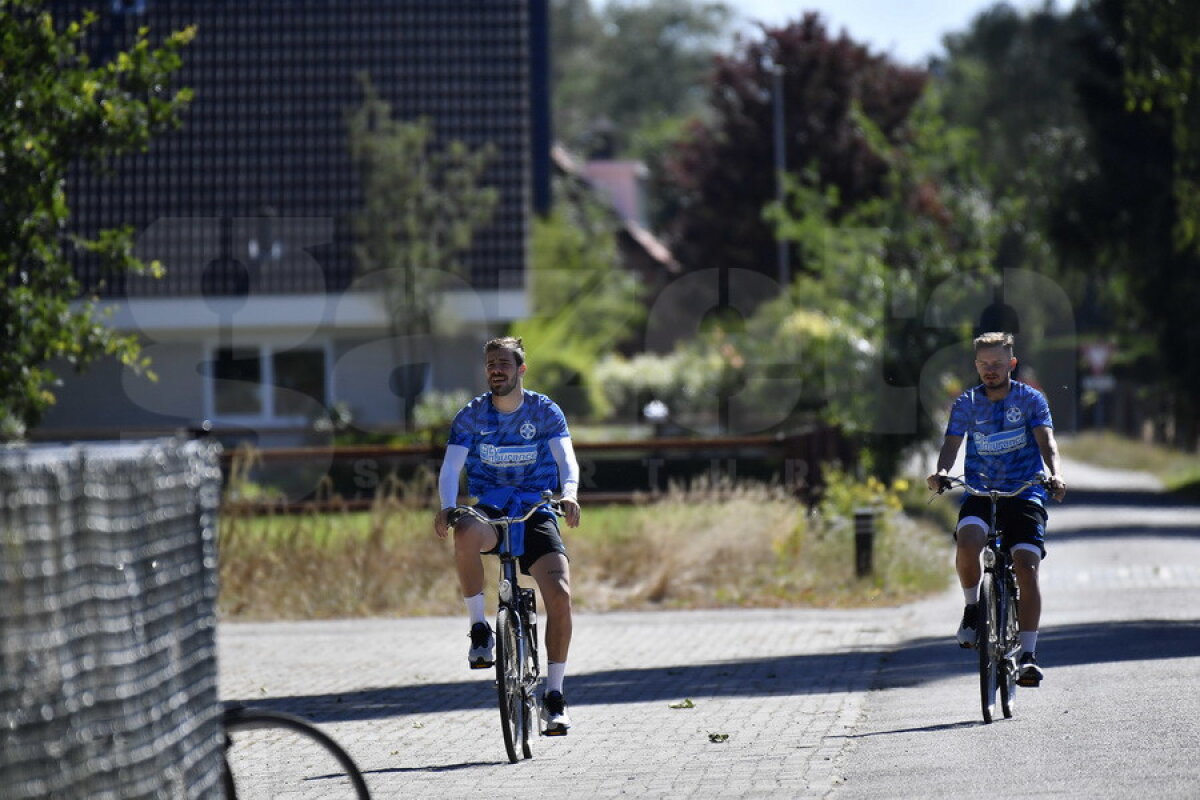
[999, 642]
[516, 608]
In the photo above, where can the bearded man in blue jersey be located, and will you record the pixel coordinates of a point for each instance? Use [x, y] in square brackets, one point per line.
[514, 444]
[1009, 435]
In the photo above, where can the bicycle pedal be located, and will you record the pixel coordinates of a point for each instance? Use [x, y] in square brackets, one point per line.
[482, 664]
[556, 731]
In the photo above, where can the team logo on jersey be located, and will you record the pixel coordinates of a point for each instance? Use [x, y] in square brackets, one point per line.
[501, 457]
[999, 443]
[528, 430]
[1013, 415]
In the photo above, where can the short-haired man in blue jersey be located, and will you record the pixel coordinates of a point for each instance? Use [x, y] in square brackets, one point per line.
[515, 445]
[1009, 435]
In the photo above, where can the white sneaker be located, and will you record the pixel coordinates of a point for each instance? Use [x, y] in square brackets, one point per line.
[555, 721]
[968, 629]
[482, 642]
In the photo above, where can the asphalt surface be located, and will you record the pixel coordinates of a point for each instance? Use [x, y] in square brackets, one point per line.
[773, 703]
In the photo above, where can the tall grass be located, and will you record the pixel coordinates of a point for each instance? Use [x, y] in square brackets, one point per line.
[698, 547]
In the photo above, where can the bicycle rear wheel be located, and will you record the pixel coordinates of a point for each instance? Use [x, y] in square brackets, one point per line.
[274, 754]
[989, 646]
[508, 682]
[1010, 642]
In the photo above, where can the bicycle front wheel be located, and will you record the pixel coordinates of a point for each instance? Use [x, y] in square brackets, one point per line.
[1010, 644]
[274, 754]
[509, 690]
[989, 646]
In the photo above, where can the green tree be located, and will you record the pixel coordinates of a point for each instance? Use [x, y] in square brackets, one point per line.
[1162, 70]
[1011, 77]
[1122, 222]
[628, 66]
[60, 110]
[724, 169]
[574, 265]
[423, 203]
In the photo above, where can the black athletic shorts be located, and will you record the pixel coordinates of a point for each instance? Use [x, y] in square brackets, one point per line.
[1020, 520]
[541, 536]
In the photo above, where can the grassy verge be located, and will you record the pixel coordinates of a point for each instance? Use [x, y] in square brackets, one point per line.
[1179, 471]
[708, 547]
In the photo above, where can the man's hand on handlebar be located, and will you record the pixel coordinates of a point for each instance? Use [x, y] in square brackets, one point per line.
[938, 482]
[570, 509]
[441, 522]
[1056, 486]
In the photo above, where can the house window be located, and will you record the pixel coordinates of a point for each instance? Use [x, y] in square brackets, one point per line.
[268, 383]
[302, 374]
[238, 386]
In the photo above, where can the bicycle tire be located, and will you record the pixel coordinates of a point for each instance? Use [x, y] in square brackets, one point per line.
[528, 718]
[989, 646]
[531, 670]
[245, 719]
[1010, 643]
[508, 681]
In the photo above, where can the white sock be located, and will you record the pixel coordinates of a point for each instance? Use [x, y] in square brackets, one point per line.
[475, 607]
[555, 670]
[1028, 641]
[971, 594]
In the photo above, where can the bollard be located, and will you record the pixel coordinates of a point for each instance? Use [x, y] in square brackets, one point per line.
[864, 540]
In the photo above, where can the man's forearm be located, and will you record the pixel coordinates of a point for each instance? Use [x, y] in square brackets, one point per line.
[948, 453]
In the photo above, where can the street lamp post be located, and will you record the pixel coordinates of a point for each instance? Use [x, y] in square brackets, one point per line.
[781, 250]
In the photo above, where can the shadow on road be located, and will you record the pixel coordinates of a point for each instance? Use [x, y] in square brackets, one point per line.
[913, 663]
[1107, 497]
[923, 660]
[1160, 530]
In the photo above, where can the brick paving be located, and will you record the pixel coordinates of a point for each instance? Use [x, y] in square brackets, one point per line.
[784, 687]
[788, 688]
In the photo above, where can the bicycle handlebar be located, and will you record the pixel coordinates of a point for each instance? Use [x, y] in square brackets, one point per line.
[458, 512]
[950, 481]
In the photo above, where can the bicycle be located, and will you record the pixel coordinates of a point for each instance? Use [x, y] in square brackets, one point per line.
[517, 664]
[237, 719]
[999, 640]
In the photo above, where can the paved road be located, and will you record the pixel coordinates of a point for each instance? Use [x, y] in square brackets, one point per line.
[841, 704]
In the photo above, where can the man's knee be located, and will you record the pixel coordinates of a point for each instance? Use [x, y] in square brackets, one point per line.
[558, 598]
[1026, 565]
[970, 538]
[555, 584]
[471, 538]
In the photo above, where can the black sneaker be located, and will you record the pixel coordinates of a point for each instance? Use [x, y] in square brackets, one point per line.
[482, 642]
[555, 721]
[968, 632]
[1028, 672]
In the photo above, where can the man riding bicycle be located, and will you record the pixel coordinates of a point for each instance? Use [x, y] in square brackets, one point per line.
[514, 444]
[1009, 435]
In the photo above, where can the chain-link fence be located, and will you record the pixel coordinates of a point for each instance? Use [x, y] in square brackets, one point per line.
[108, 588]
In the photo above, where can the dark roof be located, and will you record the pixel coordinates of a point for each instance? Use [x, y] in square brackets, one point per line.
[266, 134]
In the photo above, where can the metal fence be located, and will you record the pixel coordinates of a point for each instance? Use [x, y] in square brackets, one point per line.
[108, 682]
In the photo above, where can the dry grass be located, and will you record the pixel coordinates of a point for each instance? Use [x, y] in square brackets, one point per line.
[706, 546]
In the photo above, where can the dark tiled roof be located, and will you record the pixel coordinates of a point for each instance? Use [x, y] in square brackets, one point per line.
[266, 134]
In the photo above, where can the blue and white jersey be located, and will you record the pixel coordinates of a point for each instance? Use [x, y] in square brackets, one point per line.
[510, 450]
[1000, 440]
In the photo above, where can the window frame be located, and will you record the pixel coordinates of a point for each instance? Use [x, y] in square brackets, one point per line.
[267, 348]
